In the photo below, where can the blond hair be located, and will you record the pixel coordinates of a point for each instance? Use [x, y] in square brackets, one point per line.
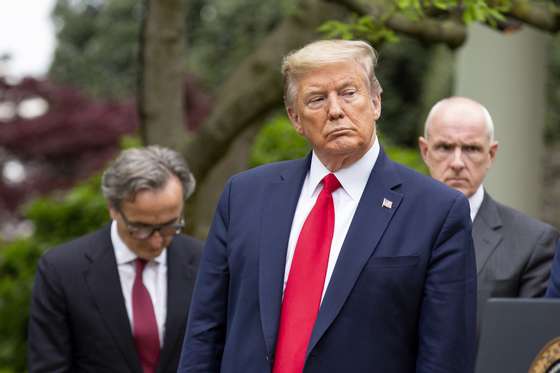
[326, 52]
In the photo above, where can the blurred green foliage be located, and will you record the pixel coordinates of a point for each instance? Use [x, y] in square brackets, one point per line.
[278, 141]
[407, 156]
[55, 220]
[98, 41]
[469, 10]
[364, 27]
[221, 33]
[97, 46]
[401, 71]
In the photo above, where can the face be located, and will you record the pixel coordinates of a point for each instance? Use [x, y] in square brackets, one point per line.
[150, 207]
[335, 110]
[458, 151]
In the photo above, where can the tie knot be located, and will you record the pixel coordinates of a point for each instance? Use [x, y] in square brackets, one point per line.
[140, 264]
[330, 183]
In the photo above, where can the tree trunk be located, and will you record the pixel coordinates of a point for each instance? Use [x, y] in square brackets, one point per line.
[202, 205]
[255, 87]
[161, 78]
[437, 80]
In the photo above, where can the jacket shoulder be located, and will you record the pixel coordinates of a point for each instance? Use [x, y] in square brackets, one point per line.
[271, 169]
[423, 185]
[77, 247]
[520, 222]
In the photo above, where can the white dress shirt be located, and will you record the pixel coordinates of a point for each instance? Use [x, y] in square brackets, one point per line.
[154, 278]
[475, 201]
[353, 180]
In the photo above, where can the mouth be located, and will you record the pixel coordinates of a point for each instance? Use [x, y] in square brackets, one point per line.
[340, 132]
[456, 180]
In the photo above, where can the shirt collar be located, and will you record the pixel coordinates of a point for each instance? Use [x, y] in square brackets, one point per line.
[353, 178]
[475, 201]
[123, 254]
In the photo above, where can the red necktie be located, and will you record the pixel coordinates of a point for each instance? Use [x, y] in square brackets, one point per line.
[302, 296]
[145, 329]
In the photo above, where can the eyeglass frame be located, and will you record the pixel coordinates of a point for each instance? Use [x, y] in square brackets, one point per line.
[133, 230]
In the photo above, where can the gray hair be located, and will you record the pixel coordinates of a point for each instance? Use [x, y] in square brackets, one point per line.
[489, 123]
[325, 52]
[139, 169]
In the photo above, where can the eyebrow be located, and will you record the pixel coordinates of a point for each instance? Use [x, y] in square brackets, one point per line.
[460, 144]
[315, 89]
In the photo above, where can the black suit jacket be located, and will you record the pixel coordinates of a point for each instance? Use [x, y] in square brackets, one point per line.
[513, 253]
[78, 320]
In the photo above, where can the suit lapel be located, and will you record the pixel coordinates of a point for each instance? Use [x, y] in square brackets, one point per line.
[103, 280]
[277, 215]
[486, 231]
[178, 276]
[370, 221]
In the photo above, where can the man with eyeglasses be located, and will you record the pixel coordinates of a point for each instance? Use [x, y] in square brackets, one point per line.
[513, 251]
[116, 300]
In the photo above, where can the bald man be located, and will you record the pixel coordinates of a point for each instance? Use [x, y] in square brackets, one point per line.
[513, 251]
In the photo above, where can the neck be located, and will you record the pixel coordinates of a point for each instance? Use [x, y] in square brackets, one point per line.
[335, 162]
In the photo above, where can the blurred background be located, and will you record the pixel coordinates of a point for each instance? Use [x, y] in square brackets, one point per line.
[82, 79]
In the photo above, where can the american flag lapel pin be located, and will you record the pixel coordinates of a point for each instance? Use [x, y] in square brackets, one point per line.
[387, 204]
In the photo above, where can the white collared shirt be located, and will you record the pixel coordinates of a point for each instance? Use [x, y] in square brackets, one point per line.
[475, 201]
[353, 180]
[154, 278]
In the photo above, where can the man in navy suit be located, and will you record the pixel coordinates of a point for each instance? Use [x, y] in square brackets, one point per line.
[340, 262]
[116, 300]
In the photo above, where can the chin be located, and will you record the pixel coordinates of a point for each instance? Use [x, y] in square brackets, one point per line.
[342, 146]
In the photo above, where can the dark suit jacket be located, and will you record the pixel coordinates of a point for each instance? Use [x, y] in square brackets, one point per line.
[513, 253]
[553, 290]
[78, 320]
[401, 297]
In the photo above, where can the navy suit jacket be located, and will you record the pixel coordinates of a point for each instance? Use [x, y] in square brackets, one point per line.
[78, 320]
[402, 297]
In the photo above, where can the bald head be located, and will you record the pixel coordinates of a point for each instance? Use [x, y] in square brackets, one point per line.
[458, 144]
[460, 108]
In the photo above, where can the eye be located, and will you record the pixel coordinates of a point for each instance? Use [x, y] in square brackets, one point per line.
[471, 149]
[443, 147]
[349, 92]
[315, 101]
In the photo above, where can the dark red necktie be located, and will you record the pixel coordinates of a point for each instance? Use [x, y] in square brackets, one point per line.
[145, 329]
[302, 296]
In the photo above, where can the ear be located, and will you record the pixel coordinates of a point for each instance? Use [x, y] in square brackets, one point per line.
[295, 119]
[113, 212]
[493, 150]
[423, 146]
[376, 101]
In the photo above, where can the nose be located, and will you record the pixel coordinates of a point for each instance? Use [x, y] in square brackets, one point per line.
[156, 240]
[334, 110]
[457, 162]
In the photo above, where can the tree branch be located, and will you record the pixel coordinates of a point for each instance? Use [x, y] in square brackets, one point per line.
[255, 87]
[448, 31]
[544, 16]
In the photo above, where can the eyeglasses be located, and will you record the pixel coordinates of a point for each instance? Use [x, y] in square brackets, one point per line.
[145, 231]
